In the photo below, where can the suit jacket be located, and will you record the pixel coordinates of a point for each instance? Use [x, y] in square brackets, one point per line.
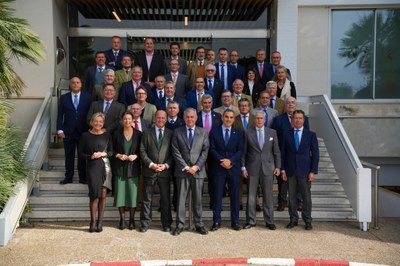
[231, 74]
[182, 84]
[272, 113]
[266, 76]
[133, 168]
[240, 71]
[191, 98]
[111, 58]
[73, 121]
[233, 151]
[157, 66]
[217, 89]
[149, 112]
[161, 104]
[90, 76]
[303, 161]
[279, 105]
[216, 119]
[192, 71]
[221, 110]
[182, 65]
[184, 155]
[120, 76]
[150, 153]
[266, 159]
[239, 123]
[113, 117]
[255, 94]
[127, 95]
[282, 125]
[177, 123]
[235, 101]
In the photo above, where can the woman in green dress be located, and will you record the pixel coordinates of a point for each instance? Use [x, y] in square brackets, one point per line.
[126, 169]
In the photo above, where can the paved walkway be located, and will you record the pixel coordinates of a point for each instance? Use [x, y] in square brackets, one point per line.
[70, 243]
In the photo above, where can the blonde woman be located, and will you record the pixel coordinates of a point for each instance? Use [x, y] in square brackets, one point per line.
[285, 88]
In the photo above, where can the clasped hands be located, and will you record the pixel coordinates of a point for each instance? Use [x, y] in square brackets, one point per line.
[124, 157]
[98, 154]
[158, 167]
[226, 163]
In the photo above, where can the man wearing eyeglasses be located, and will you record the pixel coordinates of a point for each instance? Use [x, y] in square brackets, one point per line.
[212, 84]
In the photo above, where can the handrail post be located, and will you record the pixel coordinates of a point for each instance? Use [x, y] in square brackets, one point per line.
[376, 194]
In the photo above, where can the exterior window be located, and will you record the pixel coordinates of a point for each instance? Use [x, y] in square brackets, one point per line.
[364, 54]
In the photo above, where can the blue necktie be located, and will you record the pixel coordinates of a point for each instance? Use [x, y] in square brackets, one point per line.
[76, 103]
[106, 108]
[223, 76]
[190, 137]
[210, 86]
[297, 139]
[271, 103]
[266, 117]
[226, 138]
[245, 122]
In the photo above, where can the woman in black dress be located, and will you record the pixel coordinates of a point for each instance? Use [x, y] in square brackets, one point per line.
[252, 85]
[126, 169]
[95, 147]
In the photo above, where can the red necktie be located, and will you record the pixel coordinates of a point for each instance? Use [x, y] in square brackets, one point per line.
[136, 125]
[261, 70]
[291, 121]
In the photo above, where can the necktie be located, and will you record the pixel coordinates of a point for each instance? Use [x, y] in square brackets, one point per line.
[199, 107]
[223, 75]
[100, 69]
[160, 94]
[106, 108]
[271, 103]
[266, 117]
[261, 70]
[210, 86]
[201, 62]
[207, 124]
[115, 57]
[238, 97]
[297, 139]
[291, 121]
[136, 125]
[226, 138]
[245, 122]
[160, 138]
[260, 139]
[174, 78]
[127, 75]
[172, 121]
[190, 137]
[76, 103]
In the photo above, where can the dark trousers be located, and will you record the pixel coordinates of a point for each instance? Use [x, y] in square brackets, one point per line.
[282, 190]
[71, 142]
[233, 189]
[297, 184]
[165, 205]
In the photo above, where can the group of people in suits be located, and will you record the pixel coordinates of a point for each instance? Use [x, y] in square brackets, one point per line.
[165, 120]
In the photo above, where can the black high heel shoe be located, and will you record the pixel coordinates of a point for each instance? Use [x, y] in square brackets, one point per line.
[131, 224]
[92, 227]
[99, 227]
[121, 224]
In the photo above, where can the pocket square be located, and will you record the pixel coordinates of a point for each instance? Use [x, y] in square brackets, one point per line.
[271, 139]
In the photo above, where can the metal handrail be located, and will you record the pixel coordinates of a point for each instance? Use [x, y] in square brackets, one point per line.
[376, 191]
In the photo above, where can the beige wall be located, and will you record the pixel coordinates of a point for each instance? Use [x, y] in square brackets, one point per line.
[313, 51]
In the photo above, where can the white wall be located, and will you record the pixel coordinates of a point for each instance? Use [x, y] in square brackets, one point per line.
[313, 51]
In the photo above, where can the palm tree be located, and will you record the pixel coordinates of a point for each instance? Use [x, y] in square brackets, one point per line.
[17, 42]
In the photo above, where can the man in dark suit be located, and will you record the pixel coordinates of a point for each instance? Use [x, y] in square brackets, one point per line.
[274, 101]
[224, 71]
[112, 109]
[170, 95]
[174, 49]
[181, 81]
[275, 62]
[300, 157]
[138, 123]
[71, 123]
[261, 162]
[214, 85]
[156, 66]
[158, 89]
[155, 152]
[115, 54]
[174, 121]
[95, 74]
[127, 92]
[240, 71]
[193, 97]
[262, 66]
[283, 124]
[264, 106]
[190, 150]
[226, 150]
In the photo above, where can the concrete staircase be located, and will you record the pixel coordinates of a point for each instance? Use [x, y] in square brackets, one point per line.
[70, 202]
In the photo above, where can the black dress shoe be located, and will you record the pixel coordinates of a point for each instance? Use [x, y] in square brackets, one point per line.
[270, 226]
[215, 227]
[308, 226]
[144, 229]
[121, 224]
[177, 231]
[167, 229]
[281, 207]
[66, 181]
[201, 230]
[300, 206]
[236, 227]
[83, 182]
[248, 226]
[291, 225]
